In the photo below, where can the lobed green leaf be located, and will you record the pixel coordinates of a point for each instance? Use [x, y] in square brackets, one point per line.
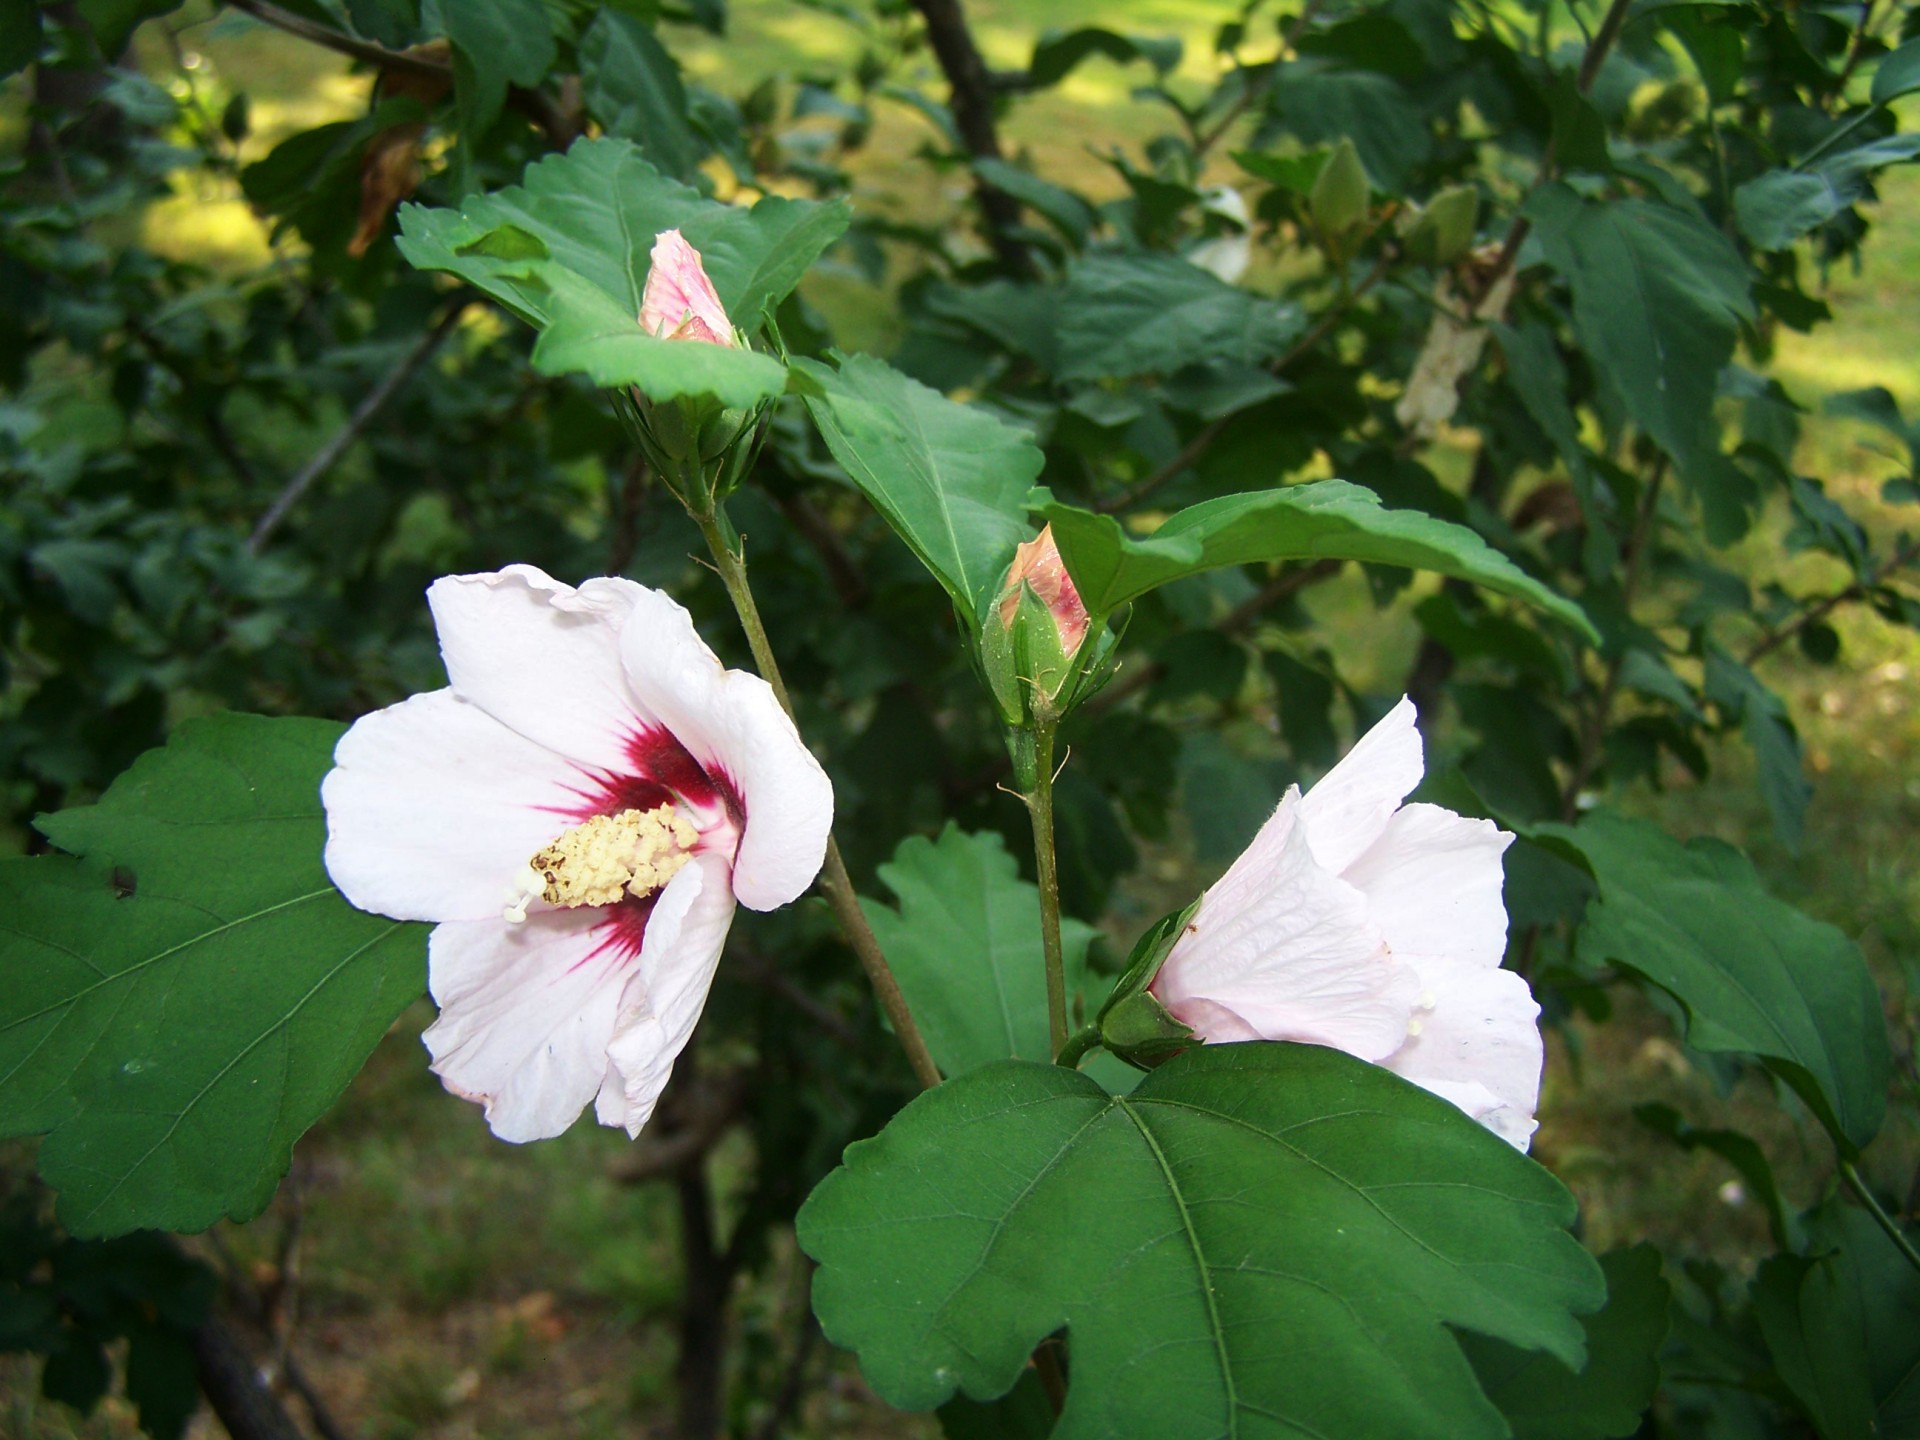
[191, 993]
[1262, 1240]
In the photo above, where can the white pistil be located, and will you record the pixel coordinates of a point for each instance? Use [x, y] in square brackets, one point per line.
[605, 859]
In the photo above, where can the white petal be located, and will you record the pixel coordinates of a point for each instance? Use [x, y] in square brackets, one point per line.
[1348, 809]
[1288, 948]
[731, 723]
[1479, 1045]
[433, 806]
[542, 657]
[526, 1012]
[1433, 882]
[685, 935]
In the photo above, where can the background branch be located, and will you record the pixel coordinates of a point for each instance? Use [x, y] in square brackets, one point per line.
[971, 100]
[370, 405]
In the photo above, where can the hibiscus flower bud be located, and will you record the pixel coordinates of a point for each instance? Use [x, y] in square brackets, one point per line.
[1358, 922]
[698, 446]
[679, 301]
[1034, 641]
[1038, 565]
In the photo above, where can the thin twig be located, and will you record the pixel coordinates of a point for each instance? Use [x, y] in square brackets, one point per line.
[342, 43]
[837, 885]
[1855, 52]
[369, 406]
[793, 1385]
[1250, 94]
[560, 127]
[1594, 733]
[1880, 1217]
[1590, 63]
[1859, 589]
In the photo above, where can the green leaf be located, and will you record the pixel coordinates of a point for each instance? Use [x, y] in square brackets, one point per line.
[1287, 172]
[1755, 975]
[1898, 74]
[1876, 406]
[1544, 1400]
[1262, 1240]
[587, 332]
[191, 994]
[631, 85]
[1068, 213]
[1657, 298]
[597, 209]
[1325, 519]
[1322, 105]
[1149, 313]
[114, 21]
[965, 947]
[1768, 729]
[1777, 208]
[951, 480]
[19, 35]
[1816, 1341]
[394, 23]
[496, 43]
[1056, 54]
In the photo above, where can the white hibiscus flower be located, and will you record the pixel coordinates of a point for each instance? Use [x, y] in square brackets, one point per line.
[578, 812]
[1374, 927]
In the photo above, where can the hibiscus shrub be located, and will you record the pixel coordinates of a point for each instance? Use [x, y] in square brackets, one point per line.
[1453, 326]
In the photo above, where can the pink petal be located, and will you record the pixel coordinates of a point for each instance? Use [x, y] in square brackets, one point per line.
[1348, 809]
[542, 658]
[434, 807]
[663, 1001]
[1479, 1045]
[526, 1012]
[731, 723]
[679, 302]
[1432, 881]
[1289, 949]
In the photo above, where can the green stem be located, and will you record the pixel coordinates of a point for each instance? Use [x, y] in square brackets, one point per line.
[1039, 799]
[1086, 1038]
[1885, 1221]
[729, 560]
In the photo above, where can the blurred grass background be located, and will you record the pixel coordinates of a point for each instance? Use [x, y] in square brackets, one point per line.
[454, 1286]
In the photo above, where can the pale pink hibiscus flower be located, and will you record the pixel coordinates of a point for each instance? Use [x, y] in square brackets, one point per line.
[578, 812]
[679, 301]
[1373, 927]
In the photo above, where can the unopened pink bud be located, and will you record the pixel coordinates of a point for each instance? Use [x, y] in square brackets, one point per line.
[679, 302]
[1039, 565]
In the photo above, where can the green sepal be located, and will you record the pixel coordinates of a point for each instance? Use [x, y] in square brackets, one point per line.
[1133, 1024]
[1143, 1032]
[1025, 664]
[700, 448]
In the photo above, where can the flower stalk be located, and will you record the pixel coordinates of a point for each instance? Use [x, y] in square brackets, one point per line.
[1034, 762]
[729, 560]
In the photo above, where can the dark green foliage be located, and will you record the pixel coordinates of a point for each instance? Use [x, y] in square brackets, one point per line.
[1634, 213]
